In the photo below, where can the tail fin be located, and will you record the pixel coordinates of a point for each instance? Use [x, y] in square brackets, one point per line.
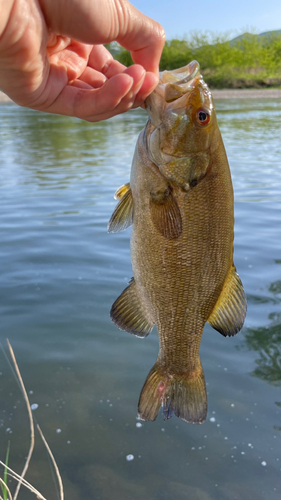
[183, 394]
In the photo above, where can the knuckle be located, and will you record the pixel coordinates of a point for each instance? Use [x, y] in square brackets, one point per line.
[160, 33]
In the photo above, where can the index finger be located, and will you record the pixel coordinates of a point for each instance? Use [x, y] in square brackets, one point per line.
[99, 22]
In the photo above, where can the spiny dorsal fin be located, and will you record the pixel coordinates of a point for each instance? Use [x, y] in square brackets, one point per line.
[122, 216]
[121, 191]
[128, 313]
[229, 312]
[165, 214]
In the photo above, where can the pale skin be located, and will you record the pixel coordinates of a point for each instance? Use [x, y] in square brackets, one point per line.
[52, 56]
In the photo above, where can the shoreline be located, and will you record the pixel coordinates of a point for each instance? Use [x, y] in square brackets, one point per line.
[217, 94]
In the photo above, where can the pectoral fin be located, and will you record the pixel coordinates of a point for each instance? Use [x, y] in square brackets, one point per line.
[229, 312]
[128, 313]
[165, 214]
[122, 216]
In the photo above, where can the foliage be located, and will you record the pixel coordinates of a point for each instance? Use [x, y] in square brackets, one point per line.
[5, 476]
[249, 60]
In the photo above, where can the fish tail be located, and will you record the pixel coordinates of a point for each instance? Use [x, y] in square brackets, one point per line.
[183, 394]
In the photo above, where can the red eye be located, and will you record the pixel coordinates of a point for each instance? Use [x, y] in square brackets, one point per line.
[203, 116]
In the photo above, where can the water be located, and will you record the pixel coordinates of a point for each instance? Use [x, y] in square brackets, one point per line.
[60, 273]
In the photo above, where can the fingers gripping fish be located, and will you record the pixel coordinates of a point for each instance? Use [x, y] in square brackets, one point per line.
[180, 202]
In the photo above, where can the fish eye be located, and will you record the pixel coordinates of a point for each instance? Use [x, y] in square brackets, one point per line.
[203, 116]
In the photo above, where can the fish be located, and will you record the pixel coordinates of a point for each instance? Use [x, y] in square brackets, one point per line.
[180, 204]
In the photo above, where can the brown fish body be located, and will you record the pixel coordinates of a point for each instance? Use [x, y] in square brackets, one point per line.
[182, 257]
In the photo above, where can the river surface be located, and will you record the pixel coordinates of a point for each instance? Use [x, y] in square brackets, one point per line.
[60, 273]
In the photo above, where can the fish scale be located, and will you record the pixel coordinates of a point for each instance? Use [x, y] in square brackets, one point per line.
[180, 201]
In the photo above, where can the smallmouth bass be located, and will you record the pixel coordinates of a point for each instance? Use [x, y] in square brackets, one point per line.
[180, 202]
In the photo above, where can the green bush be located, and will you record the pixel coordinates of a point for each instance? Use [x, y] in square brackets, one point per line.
[249, 60]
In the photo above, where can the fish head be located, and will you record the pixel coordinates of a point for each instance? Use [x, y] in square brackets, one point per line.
[182, 118]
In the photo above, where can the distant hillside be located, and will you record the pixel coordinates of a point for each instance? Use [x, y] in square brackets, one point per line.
[267, 34]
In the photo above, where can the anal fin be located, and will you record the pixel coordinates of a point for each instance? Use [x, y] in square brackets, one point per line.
[122, 216]
[229, 312]
[128, 313]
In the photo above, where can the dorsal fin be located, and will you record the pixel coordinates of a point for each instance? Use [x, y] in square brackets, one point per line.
[229, 312]
[122, 216]
[121, 191]
[128, 313]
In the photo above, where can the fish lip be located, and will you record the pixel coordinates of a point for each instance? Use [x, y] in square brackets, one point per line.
[183, 78]
[165, 90]
[181, 75]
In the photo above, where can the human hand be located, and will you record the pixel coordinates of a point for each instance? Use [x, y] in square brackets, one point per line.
[52, 58]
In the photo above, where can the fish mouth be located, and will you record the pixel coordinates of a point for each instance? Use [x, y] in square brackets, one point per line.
[175, 83]
[173, 91]
[181, 75]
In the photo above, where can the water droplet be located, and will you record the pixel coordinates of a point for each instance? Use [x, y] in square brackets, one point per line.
[58, 431]
[138, 424]
[212, 419]
[264, 463]
[232, 405]
[34, 406]
[129, 458]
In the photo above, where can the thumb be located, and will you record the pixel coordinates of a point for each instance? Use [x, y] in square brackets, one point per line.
[103, 21]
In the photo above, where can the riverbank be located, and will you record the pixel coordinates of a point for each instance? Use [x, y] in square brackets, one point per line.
[217, 94]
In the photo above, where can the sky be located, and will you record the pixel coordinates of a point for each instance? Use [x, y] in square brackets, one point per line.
[178, 17]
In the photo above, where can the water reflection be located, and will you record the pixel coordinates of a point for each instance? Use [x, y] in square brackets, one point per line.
[63, 137]
[56, 151]
[275, 287]
[267, 342]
